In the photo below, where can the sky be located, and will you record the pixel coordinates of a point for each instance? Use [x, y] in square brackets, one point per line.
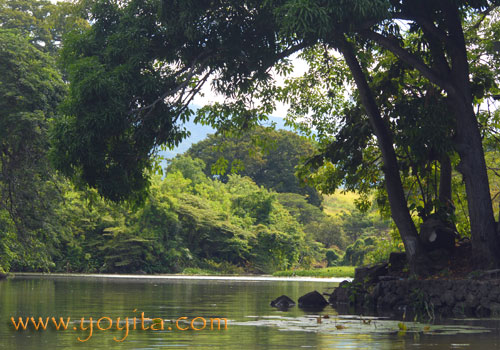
[207, 96]
[299, 65]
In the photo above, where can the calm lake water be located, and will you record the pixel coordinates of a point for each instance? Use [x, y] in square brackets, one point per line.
[252, 324]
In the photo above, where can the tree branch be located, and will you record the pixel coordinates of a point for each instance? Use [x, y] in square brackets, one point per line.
[484, 14]
[409, 58]
[193, 71]
[424, 23]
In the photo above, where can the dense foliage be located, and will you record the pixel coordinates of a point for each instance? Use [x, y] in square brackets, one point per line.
[397, 58]
[188, 221]
[400, 95]
[269, 157]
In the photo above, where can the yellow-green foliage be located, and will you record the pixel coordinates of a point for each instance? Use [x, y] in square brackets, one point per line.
[335, 204]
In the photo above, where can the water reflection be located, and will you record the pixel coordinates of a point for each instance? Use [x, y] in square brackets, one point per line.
[253, 323]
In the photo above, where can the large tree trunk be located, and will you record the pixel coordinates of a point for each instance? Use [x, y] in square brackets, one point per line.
[399, 208]
[469, 145]
[485, 243]
[455, 82]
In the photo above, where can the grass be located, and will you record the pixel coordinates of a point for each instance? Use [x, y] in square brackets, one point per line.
[198, 271]
[337, 271]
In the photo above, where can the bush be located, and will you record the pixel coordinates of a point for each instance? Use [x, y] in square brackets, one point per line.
[332, 257]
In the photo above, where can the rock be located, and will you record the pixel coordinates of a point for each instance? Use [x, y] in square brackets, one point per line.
[367, 275]
[436, 301]
[459, 310]
[495, 309]
[392, 300]
[482, 311]
[340, 294]
[312, 300]
[283, 302]
[448, 298]
[376, 292]
[471, 301]
[460, 292]
[397, 262]
[439, 259]
[483, 291]
[485, 302]
[435, 234]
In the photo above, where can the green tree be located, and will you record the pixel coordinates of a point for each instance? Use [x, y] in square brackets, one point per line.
[316, 224]
[196, 40]
[31, 88]
[268, 157]
[42, 22]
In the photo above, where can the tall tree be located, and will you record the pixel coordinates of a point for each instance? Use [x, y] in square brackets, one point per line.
[30, 89]
[129, 99]
[442, 29]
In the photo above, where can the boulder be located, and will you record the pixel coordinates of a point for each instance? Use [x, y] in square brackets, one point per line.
[397, 262]
[340, 294]
[312, 300]
[367, 275]
[283, 302]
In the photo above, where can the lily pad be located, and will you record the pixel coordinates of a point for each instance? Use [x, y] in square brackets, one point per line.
[357, 325]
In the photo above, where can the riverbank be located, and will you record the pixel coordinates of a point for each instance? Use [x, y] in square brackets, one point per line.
[179, 277]
[327, 272]
[374, 291]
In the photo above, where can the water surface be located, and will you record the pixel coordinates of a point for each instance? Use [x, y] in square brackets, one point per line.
[252, 323]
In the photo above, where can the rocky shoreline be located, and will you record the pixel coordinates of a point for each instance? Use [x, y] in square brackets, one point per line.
[374, 291]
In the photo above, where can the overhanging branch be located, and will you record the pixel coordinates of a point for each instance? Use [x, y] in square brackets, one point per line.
[409, 58]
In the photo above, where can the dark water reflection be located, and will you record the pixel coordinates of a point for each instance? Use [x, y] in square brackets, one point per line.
[238, 301]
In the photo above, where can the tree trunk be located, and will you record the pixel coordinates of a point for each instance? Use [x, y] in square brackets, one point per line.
[455, 82]
[445, 180]
[469, 145]
[394, 187]
[472, 166]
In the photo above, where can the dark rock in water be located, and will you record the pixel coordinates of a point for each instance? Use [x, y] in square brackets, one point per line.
[341, 294]
[283, 302]
[312, 300]
[3, 275]
[370, 274]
